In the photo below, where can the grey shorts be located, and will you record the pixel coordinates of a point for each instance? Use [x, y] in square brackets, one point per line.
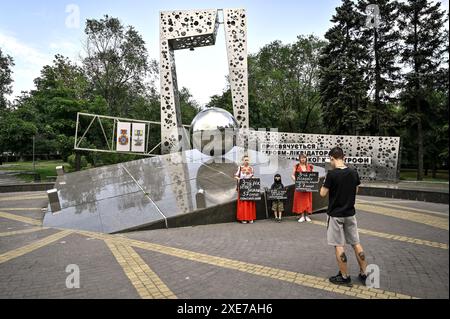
[342, 230]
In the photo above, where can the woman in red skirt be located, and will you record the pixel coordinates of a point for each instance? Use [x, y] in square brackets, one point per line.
[302, 200]
[246, 210]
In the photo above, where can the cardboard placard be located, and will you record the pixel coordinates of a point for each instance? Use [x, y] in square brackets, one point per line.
[277, 194]
[250, 189]
[307, 182]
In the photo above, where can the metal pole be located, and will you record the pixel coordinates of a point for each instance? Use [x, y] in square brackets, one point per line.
[34, 166]
[76, 130]
[265, 203]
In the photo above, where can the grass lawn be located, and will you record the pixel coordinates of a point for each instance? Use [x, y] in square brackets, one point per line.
[411, 175]
[43, 168]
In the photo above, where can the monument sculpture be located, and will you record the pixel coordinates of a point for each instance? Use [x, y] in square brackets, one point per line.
[188, 30]
[186, 184]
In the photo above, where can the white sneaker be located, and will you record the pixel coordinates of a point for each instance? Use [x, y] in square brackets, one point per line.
[301, 220]
[308, 219]
[243, 221]
[251, 222]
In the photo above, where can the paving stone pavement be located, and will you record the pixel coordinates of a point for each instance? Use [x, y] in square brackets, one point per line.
[261, 260]
[7, 178]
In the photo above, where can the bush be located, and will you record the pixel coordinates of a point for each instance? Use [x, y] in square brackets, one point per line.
[71, 161]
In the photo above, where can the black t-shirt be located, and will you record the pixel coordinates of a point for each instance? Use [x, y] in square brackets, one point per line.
[341, 183]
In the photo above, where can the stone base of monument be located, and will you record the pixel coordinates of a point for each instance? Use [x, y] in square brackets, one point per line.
[402, 191]
[226, 213]
[173, 190]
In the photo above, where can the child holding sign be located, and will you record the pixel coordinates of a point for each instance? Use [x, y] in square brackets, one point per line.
[246, 210]
[302, 200]
[277, 204]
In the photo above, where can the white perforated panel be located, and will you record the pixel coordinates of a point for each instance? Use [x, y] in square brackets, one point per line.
[189, 29]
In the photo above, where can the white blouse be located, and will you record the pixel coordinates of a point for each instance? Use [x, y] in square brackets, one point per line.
[244, 172]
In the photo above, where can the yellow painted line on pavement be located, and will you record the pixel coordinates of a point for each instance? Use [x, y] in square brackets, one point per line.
[433, 221]
[357, 291]
[395, 237]
[12, 209]
[33, 246]
[17, 198]
[22, 219]
[387, 204]
[145, 280]
[22, 231]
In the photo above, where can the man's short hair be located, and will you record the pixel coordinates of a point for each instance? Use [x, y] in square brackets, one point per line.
[337, 153]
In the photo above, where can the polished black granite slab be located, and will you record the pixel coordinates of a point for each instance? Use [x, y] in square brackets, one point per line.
[139, 193]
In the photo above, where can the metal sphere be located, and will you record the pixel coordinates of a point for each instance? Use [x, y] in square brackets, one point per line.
[217, 192]
[214, 131]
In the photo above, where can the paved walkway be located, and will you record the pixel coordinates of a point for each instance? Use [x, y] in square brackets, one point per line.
[9, 177]
[413, 185]
[407, 240]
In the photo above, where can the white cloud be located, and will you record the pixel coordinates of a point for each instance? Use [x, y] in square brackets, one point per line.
[29, 61]
[63, 45]
[21, 51]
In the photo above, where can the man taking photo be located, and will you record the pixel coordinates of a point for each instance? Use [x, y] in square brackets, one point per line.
[341, 184]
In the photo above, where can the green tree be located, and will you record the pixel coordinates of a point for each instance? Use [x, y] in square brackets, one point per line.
[61, 91]
[283, 86]
[436, 135]
[116, 63]
[305, 86]
[343, 85]
[223, 100]
[6, 63]
[188, 106]
[424, 44]
[16, 132]
[383, 68]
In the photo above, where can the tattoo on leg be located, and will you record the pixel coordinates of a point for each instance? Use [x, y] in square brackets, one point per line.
[362, 256]
[343, 257]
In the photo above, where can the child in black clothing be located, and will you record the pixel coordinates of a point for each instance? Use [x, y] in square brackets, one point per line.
[277, 205]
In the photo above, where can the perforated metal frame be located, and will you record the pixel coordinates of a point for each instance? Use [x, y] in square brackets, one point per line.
[384, 150]
[190, 29]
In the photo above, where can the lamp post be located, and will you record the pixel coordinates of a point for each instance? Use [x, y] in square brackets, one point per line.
[34, 166]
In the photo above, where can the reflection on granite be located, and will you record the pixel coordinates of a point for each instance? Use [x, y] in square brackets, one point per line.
[135, 194]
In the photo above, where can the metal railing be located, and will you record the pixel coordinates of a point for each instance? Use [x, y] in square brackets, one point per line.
[110, 135]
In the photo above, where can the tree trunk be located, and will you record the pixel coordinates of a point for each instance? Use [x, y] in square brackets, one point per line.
[376, 127]
[433, 169]
[419, 148]
[77, 161]
[417, 100]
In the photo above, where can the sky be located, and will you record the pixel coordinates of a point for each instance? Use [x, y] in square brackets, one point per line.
[32, 32]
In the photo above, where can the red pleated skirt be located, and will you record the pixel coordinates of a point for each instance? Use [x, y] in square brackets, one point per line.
[302, 203]
[246, 210]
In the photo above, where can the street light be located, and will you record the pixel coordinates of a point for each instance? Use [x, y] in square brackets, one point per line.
[34, 167]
